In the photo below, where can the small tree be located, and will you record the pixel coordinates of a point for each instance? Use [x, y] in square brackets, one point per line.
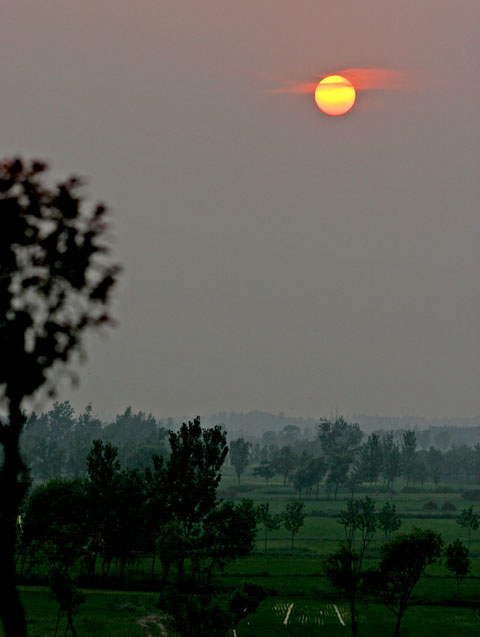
[470, 521]
[343, 568]
[64, 591]
[403, 561]
[102, 491]
[391, 457]
[284, 463]
[293, 517]
[408, 454]
[264, 470]
[370, 459]
[388, 520]
[269, 521]
[239, 455]
[54, 283]
[458, 560]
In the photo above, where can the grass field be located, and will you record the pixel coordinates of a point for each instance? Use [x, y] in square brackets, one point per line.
[300, 602]
[105, 613]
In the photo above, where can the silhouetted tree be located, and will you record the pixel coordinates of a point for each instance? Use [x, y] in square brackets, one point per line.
[343, 568]
[470, 521]
[53, 286]
[388, 520]
[293, 518]
[458, 560]
[340, 442]
[239, 455]
[269, 521]
[408, 454]
[264, 470]
[403, 561]
[370, 459]
[284, 462]
[390, 459]
[102, 488]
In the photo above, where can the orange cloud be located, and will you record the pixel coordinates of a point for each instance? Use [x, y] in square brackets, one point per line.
[363, 79]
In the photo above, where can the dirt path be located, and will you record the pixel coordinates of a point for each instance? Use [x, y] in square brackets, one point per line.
[151, 621]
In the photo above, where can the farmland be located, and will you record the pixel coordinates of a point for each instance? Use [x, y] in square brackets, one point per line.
[300, 600]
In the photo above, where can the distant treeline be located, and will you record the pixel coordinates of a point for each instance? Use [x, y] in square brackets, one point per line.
[56, 442]
[437, 432]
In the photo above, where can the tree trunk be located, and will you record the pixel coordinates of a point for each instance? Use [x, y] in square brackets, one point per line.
[122, 569]
[397, 625]
[59, 617]
[70, 623]
[353, 616]
[11, 610]
[153, 564]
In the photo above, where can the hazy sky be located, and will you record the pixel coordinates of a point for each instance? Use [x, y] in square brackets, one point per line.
[275, 258]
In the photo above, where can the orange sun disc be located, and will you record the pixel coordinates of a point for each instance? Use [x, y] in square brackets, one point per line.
[335, 95]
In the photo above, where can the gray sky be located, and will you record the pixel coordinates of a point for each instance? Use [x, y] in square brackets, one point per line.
[275, 258]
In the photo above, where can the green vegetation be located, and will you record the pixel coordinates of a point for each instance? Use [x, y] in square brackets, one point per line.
[206, 548]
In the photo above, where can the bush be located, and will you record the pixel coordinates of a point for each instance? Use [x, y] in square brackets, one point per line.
[430, 506]
[448, 506]
[472, 494]
[227, 494]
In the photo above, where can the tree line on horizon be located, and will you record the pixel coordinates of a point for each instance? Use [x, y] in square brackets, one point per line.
[56, 442]
[341, 458]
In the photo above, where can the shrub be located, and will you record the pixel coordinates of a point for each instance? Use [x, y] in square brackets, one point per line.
[430, 506]
[448, 506]
[472, 494]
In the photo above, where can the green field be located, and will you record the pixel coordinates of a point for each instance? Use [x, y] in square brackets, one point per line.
[300, 602]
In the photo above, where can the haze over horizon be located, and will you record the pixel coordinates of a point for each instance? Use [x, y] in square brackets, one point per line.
[274, 258]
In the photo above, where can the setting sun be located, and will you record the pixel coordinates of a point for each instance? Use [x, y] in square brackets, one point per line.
[335, 95]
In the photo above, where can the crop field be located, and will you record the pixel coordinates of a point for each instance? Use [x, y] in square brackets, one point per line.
[331, 620]
[300, 600]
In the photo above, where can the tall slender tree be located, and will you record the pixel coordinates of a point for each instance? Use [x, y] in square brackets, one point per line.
[239, 455]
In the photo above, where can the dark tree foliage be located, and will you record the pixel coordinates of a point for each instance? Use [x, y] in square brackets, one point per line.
[64, 591]
[403, 561]
[104, 478]
[293, 518]
[458, 560]
[193, 601]
[128, 509]
[53, 286]
[192, 472]
[284, 462]
[201, 535]
[239, 456]
[154, 509]
[269, 521]
[340, 442]
[470, 521]
[54, 525]
[54, 537]
[343, 568]
[264, 470]
[370, 459]
[390, 459]
[198, 613]
[388, 520]
[408, 454]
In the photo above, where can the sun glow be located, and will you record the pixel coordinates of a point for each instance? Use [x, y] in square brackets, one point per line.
[335, 95]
